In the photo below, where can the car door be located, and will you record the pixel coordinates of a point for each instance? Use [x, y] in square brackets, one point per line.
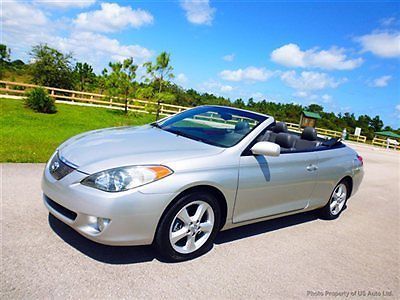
[270, 186]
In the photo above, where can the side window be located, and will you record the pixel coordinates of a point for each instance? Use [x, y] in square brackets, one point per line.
[259, 138]
[263, 135]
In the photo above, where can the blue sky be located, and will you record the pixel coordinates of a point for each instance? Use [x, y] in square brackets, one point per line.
[344, 56]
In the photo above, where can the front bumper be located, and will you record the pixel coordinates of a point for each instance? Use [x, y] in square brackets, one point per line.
[134, 215]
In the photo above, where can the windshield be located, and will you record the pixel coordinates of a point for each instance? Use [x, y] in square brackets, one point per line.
[218, 126]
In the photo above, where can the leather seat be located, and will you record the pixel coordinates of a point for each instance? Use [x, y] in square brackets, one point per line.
[242, 127]
[307, 140]
[279, 127]
[286, 141]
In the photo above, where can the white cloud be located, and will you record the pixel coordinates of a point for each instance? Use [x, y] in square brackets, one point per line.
[305, 95]
[381, 81]
[66, 3]
[291, 55]
[248, 74]
[309, 81]
[229, 57]
[112, 17]
[383, 44]
[19, 15]
[212, 86]
[96, 49]
[388, 21]
[310, 97]
[101, 46]
[181, 78]
[258, 96]
[23, 26]
[302, 94]
[326, 98]
[198, 11]
[226, 88]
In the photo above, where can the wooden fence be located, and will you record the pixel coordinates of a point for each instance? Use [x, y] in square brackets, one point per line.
[329, 133]
[93, 99]
[383, 143]
[77, 97]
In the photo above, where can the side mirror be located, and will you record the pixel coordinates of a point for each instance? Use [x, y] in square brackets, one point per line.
[266, 148]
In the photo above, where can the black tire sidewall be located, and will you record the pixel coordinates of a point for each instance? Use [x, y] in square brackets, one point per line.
[162, 241]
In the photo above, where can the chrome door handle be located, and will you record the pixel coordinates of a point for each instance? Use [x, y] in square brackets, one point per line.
[312, 168]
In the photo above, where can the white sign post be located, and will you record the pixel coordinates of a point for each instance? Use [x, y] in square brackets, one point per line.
[357, 132]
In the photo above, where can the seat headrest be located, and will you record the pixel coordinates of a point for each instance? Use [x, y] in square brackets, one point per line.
[280, 127]
[309, 134]
[285, 140]
[242, 127]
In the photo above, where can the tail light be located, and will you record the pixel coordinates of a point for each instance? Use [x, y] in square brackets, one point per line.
[360, 159]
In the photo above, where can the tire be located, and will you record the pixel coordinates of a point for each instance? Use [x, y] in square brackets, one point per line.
[337, 201]
[183, 237]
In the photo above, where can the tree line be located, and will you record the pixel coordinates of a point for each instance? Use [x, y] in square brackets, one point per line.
[50, 67]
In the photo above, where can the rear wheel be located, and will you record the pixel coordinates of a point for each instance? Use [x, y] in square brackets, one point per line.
[337, 202]
[189, 227]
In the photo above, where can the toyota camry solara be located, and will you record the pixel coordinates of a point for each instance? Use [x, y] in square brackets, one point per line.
[177, 182]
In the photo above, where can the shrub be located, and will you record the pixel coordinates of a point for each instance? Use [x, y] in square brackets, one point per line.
[166, 97]
[39, 100]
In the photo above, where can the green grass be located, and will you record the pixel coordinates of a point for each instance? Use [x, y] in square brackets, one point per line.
[27, 136]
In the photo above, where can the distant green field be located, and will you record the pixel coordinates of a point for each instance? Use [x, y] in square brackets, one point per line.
[27, 136]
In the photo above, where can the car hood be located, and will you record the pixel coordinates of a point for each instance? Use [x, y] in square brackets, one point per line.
[103, 149]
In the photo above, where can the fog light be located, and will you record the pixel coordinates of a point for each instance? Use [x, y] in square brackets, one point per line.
[102, 223]
[92, 220]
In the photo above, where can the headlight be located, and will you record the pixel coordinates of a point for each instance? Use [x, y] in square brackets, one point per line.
[125, 178]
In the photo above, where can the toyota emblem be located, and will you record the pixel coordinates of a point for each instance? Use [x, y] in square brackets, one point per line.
[54, 166]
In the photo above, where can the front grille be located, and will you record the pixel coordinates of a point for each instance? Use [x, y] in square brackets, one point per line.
[58, 169]
[61, 209]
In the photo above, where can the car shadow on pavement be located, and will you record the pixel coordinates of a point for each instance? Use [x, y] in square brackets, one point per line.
[264, 227]
[139, 254]
[103, 253]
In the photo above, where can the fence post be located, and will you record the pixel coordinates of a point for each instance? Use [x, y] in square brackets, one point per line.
[7, 88]
[158, 109]
[126, 105]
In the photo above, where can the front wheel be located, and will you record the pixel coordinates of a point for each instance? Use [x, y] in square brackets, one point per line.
[337, 202]
[189, 227]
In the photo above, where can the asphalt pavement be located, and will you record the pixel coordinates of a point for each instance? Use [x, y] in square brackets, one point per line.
[299, 256]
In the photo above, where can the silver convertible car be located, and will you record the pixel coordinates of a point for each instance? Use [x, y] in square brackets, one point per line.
[177, 182]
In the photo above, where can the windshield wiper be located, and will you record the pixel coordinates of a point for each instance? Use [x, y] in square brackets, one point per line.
[156, 125]
[178, 132]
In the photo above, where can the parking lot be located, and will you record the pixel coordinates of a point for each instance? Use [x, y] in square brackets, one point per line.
[299, 256]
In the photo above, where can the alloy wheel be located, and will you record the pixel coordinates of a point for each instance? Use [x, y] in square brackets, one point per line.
[338, 199]
[191, 227]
